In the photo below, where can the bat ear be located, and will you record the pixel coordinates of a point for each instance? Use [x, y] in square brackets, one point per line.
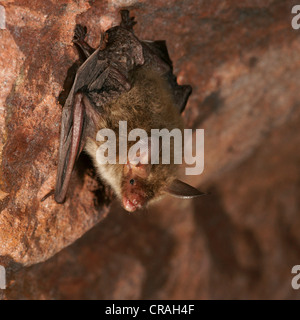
[183, 190]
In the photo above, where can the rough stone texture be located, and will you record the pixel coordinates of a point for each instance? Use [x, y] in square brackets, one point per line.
[243, 60]
[37, 53]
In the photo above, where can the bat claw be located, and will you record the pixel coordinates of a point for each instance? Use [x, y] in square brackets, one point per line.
[127, 21]
[79, 33]
[78, 39]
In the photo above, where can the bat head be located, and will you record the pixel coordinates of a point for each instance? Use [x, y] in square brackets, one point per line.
[143, 183]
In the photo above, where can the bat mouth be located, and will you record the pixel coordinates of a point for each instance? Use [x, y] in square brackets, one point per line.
[131, 205]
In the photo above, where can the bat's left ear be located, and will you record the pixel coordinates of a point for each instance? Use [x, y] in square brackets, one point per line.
[183, 190]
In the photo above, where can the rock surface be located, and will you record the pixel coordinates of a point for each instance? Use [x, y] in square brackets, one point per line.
[243, 61]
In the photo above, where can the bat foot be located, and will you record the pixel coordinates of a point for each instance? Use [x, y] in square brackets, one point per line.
[78, 39]
[79, 33]
[127, 21]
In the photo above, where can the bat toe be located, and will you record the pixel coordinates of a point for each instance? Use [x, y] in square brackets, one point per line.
[79, 33]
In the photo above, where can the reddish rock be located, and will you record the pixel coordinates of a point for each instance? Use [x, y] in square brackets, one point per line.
[243, 61]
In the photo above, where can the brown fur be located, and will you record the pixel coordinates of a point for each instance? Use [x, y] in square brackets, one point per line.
[148, 105]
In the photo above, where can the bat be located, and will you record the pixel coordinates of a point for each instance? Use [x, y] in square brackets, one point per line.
[124, 79]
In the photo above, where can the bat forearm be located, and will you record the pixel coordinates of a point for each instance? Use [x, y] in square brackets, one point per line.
[86, 49]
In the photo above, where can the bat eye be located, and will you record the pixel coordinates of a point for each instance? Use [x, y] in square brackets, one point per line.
[131, 181]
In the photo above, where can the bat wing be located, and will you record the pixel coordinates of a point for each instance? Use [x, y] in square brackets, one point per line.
[181, 93]
[105, 74]
[70, 145]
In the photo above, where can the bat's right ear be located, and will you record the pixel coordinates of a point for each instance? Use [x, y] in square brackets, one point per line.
[183, 190]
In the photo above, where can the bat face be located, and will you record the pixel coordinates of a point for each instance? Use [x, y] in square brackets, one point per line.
[134, 195]
[123, 79]
[135, 190]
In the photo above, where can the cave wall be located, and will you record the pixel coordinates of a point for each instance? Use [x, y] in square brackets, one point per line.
[242, 59]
